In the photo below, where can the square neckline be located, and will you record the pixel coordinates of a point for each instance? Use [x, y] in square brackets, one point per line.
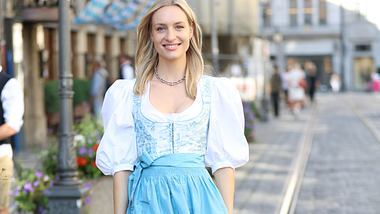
[188, 110]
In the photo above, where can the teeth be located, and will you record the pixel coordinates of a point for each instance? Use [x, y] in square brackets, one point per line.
[171, 46]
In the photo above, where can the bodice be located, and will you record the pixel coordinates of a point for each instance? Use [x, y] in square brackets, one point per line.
[158, 138]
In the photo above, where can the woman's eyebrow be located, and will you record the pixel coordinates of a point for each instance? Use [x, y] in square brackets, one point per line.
[164, 24]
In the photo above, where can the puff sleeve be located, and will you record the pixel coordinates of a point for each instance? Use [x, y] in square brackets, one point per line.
[117, 150]
[226, 143]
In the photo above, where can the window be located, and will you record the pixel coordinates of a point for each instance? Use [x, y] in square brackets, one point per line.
[308, 12]
[293, 12]
[322, 12]
[363, 47]
[267, 14]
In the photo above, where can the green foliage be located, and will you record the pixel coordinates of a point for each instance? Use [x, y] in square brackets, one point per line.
[250, 115]
[81, 90]
[49, 160]
[89, 132]
[51, 97]
[90, 128]
[30, 186]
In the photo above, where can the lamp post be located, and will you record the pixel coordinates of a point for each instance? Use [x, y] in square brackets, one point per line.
[64, 195]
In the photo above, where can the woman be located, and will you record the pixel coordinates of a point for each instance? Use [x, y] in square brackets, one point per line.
[296, 82]
[171, 122]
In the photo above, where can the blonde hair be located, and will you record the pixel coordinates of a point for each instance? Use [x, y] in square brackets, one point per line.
[147, 56]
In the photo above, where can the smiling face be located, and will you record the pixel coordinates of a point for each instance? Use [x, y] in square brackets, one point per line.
[171, 33]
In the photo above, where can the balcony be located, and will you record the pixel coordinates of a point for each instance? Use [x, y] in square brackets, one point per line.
[37, 10]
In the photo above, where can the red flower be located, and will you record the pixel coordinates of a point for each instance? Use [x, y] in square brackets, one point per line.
[81, 161]
[93, 164]
[95, 147]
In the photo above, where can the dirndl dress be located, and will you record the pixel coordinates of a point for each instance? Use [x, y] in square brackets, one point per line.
[164, 179]
[169, 155]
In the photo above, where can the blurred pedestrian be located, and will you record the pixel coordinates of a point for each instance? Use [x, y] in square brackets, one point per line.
[296, 81]
[375, 82]
[126, 68]
[311, 79]
[98, 86]
[275, 90]
[285, 85]
[11, 120]
[171, 122]
[335, 82]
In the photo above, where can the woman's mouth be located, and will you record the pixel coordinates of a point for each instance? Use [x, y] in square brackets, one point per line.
[171, 46]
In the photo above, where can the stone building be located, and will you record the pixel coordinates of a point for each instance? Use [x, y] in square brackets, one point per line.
[339, 36]
[32, 27]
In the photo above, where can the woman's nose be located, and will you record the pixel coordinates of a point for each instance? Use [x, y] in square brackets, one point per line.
[171, 34]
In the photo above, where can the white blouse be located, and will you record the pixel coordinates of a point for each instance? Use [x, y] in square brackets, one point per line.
[226, 143]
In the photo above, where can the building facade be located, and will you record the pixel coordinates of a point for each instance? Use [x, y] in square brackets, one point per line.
[337, 36]
[230, 33]
[32, 29]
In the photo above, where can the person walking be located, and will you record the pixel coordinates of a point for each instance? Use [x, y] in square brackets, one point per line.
[296, 82]
[98, 86]
[311, 79]
[335, 82]
[275, 90]
[11, 120]
[126, 68]
[165, 127]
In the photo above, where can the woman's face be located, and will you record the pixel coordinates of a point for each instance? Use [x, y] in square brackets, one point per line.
[171, 33]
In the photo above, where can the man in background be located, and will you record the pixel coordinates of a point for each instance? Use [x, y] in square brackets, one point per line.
[11, 114]
[275, 90]
[126, 68]
[98, 86]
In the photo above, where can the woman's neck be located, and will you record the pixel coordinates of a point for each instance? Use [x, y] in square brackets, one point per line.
[171, 70]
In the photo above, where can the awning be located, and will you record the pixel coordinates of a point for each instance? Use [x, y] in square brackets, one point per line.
[120, 14]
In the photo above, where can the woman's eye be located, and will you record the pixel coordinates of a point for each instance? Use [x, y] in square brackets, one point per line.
[179, 27]
[160, 29]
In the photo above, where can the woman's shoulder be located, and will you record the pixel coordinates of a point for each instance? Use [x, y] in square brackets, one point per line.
[219, 83]
[121, 87]
[222, 88]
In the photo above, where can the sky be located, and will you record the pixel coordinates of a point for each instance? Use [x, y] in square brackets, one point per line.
[368, 8]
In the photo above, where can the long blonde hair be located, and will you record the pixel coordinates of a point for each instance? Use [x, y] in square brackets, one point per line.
[147, 56]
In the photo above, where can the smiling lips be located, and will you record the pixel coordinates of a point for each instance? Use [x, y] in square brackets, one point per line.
[171, 47]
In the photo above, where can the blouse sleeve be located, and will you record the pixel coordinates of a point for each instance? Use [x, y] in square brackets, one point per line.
[117, 150]
[226, 143]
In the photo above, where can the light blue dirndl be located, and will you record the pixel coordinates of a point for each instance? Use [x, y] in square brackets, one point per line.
[165, 179]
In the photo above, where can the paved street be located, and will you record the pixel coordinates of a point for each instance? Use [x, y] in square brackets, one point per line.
[260, 185]
[342, 173]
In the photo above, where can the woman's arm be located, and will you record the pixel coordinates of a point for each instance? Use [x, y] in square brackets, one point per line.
[120, 192]
[225, 181]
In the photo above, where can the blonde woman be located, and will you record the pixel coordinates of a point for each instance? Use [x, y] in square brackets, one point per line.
[163, 128]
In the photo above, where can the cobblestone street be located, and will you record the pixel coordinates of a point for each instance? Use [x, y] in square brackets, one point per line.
[341, 174]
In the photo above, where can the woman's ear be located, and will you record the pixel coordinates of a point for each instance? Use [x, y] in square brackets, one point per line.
[191, 30]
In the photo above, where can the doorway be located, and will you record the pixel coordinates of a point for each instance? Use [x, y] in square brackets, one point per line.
[363, 67]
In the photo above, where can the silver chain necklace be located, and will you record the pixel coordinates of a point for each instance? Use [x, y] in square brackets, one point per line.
[168, 82]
